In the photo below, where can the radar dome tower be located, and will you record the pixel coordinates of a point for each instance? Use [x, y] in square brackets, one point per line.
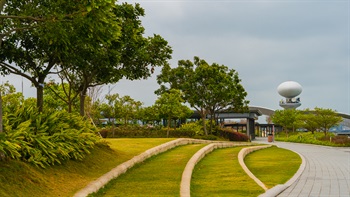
[289, 90]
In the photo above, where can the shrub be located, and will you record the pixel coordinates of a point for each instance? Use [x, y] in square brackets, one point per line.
[192, 127]
[46, 138]
[316, 138]
[341, 140]
[228, 133]
[134, 131]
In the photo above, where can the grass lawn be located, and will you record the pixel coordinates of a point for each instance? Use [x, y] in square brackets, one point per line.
[219, 174]
[273, 165]
[22, 179]
[158, 176]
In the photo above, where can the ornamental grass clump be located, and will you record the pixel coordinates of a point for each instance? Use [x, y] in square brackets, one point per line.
[47, 138]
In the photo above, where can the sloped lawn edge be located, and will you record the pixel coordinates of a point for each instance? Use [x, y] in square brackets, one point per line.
[185, 185]
[244, 152]
[276, 190]
[94, 186]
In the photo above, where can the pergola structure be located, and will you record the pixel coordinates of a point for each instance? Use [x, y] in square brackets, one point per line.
[251, 116]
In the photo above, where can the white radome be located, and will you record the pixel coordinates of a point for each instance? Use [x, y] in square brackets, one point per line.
[289, 89]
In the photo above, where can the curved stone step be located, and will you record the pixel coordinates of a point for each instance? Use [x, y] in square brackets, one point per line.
[242, 154]
[185, 184]
[94, 186]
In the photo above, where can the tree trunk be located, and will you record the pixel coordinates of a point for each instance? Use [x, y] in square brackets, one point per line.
[40, 97]
[1, 112]
[2, 155]
[69, 107]
[212, 118]
[168, 123]
[82, 102]
[204, 125]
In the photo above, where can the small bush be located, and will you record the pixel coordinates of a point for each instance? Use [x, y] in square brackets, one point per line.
[341, 140]
[228, 133]
[316, 138]
[192, 127]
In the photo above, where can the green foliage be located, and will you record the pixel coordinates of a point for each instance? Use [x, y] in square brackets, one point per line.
[38, 36]
[318, 119]
[89, 43]
[326, 118]
[124, 109]
[18, 178]
[308, 121]
[228, 133]
[46, 139]
[60, 96]
[207, 88]
[169, 106]
[314, 138]
[149, 115]
[286, 118]
[193, 127]
[136, 131]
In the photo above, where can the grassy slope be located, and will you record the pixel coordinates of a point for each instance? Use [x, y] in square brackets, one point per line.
[157, 176]
[273, 165]
[22, 179]
[219, 173]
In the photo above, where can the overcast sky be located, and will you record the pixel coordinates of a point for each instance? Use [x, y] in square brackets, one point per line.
[266, 42]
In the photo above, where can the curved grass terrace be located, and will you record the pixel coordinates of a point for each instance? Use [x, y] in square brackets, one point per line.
[273, 165]
[158, 176]
[218, 173]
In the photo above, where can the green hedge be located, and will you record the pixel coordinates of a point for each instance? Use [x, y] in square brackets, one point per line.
[231, 135]
[134, 131]
[316, 138]
[191, 130]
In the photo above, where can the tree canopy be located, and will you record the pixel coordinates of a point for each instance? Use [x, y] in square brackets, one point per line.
[207, 88]
[318, 119]
[326, 118]
[95, 43]
[287, 118]
[169, 106]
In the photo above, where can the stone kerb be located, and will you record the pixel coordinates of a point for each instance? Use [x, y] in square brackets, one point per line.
[241, 155]
[276, 190]
[94, 186]
[185, 185]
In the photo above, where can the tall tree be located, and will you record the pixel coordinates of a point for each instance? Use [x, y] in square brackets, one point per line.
[130, 55]
[43, 33]
[326, 118]
[128, 109]
[149, 115]
[207, 88]
[286, 118]
[308, 120]
[169, 106]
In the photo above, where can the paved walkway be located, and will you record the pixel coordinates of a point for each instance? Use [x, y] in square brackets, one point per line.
[326, 174]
